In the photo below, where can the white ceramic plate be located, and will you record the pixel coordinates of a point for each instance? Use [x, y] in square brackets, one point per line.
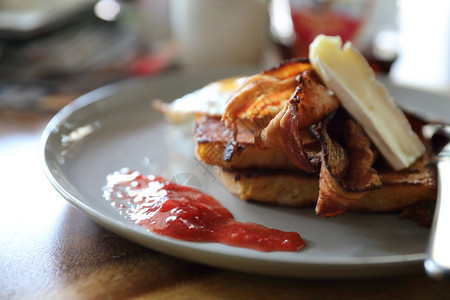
[116, 127]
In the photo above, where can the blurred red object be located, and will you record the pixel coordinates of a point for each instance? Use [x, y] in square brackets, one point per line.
[151, 63]
[330, 17]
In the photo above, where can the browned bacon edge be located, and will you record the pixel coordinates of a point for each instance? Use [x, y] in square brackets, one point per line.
[346, 174]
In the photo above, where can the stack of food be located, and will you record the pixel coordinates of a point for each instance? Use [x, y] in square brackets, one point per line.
[315, 131]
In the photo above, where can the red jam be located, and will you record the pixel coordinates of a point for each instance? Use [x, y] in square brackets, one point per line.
[185, 213]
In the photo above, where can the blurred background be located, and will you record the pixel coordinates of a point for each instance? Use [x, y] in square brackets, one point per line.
[51, 52]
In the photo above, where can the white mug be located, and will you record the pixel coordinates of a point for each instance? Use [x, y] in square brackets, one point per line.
[219, 32]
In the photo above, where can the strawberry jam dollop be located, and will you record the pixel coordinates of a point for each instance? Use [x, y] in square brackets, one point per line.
[186, 213]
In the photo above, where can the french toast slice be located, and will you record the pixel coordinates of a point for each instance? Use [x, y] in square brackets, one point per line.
[297, 189]
[267, 175]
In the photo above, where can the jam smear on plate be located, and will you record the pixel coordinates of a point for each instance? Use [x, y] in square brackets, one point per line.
[185, 213]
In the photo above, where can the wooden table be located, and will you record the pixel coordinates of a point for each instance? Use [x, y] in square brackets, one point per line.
[48, 249]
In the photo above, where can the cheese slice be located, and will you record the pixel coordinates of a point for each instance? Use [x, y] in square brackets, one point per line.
[346, 72]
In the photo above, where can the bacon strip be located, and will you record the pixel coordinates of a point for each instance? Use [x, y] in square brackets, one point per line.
[289, 68]
[345, 175]
[310, 103]
[258, 101]
[263, 95]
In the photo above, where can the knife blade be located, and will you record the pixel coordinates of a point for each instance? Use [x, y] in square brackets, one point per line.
[437, 262]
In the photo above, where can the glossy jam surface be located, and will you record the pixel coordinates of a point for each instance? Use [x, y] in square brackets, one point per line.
[185, 213]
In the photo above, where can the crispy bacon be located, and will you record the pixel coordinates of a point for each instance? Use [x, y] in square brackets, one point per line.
[289, 108]
[289, 68]
[258, 101]
[283, 132]
[281, 105]
[263, 95]
[310, 103]
[345, 175]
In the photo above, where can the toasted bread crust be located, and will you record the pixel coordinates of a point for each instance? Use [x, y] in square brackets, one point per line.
[267, 175]
[301, 190]
[280, 188]
[249, 158]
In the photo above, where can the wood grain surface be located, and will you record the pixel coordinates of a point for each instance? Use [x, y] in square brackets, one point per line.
[50, 250]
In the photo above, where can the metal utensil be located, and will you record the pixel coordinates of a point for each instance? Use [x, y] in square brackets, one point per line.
[437, 262]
